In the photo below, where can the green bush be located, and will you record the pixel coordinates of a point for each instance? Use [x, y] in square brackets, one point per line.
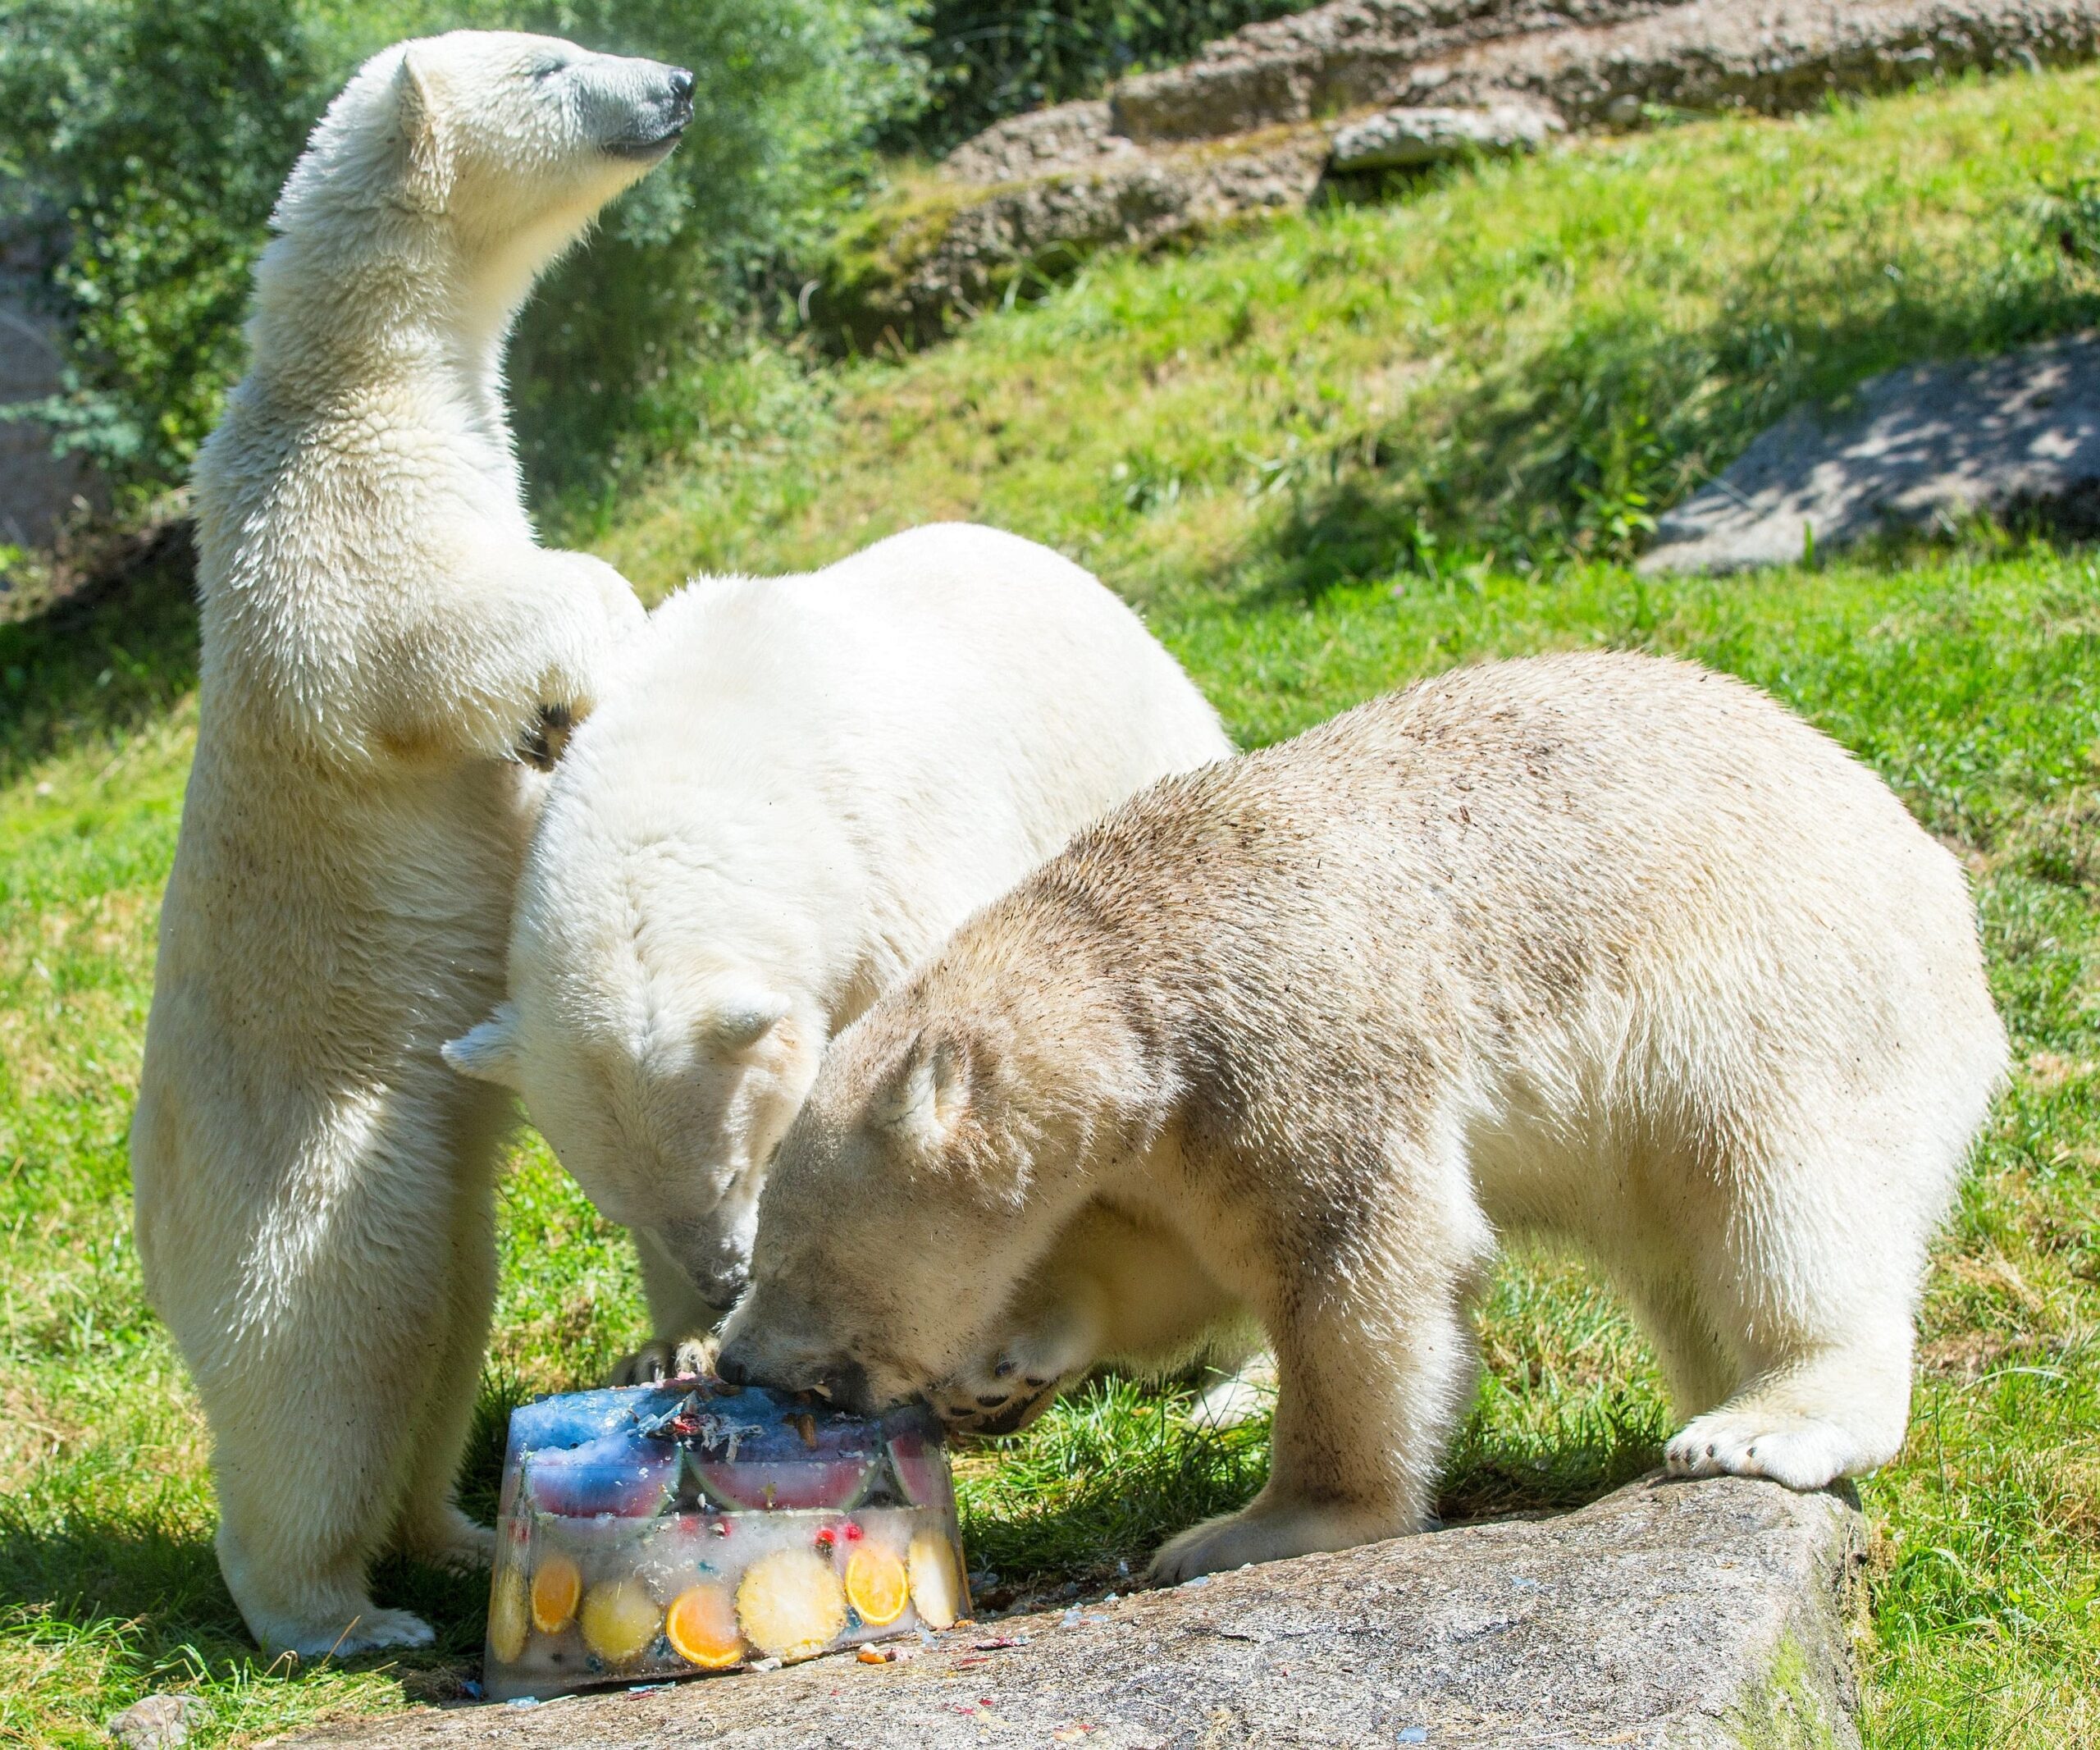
[147, 141]
[988, 62]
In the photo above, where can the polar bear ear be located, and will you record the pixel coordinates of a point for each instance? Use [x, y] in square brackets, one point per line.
[743, 1020]
[426, 155]
[490, 1053]
[929, 1096]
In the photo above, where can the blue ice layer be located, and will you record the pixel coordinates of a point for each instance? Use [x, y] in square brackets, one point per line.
[639, 1451]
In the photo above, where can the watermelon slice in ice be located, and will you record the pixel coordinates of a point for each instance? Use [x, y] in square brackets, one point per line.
[616, 1474]
[829, 1482]
[921, 1468]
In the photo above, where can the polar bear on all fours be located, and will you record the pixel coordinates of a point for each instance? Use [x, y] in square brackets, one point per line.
[802, 784]
[381, 638]
[1599, 947]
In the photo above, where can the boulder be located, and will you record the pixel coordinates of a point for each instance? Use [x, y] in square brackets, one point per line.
[1404, 139]
[158, 1722]
[2014, 436]
[1697, 1614]
[1335, 58]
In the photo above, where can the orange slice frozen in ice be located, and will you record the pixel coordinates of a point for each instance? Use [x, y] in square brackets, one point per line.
[876, 1585]
[936, 1585]
[557, 1584]
[701, 1627]
[790, 1604]
[509, 1614]
[619, 1621]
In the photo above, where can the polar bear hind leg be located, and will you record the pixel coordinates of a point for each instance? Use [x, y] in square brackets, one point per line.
[1810, 1281]
[431, 1525]
[338, 1433]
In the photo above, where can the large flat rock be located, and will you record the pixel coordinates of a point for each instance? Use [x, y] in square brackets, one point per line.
[2016, 435]
[1696, 1613]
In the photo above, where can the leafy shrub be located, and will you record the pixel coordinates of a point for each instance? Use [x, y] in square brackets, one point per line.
[147, 141]
[988, 60]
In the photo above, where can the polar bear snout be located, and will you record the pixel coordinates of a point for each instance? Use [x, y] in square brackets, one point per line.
[647, 122]
[749, 1358]
[716, 1258]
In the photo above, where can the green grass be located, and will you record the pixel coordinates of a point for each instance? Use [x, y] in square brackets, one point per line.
[1326, 455]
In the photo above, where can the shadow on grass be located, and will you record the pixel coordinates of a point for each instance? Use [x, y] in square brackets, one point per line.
[147, 1587]
[1572, 449]
[149, 1593]
[100, 664]
[1115, 1470]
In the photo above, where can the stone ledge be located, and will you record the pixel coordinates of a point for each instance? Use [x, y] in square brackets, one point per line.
[1247, 127]
[1666, 1614]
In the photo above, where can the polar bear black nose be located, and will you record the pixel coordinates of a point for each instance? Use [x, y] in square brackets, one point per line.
[681, 85]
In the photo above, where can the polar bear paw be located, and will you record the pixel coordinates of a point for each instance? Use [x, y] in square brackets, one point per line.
[1260, 1533]
[1004, 1391]
[447, 1539]
[660, 1358]
[366, 1630]
[1803, 1452]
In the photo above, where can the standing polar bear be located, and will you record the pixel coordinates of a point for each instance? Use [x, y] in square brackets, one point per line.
[380, 634]
[804, 783]
[1601, 947]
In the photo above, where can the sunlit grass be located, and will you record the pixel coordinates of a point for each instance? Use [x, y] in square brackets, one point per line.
[1239, 437]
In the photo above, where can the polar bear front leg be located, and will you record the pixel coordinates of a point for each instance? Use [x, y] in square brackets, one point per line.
[501, 666]
[684, 1324]
[1375, 1364]
[556, 716]
[1116, 1286]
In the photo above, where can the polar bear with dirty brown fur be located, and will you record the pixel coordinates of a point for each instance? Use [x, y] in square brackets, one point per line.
[1601, 947]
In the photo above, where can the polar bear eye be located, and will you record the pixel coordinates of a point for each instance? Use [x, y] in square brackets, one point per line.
[546, 70]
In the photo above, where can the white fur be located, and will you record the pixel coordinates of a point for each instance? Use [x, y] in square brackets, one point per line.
[1595, 946]
[804, 784]
[380, 632]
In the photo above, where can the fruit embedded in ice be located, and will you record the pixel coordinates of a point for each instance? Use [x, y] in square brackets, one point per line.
[701, 1627]
[876, 1585]
[787, 1485]
[618, 1475]
[936, 1586]
[921, 1470]
[619, 1621]
[557, 1583]
[790, 1604]
[509, 1614]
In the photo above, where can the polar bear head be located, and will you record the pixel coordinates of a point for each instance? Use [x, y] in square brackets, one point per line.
[485, 152]
[662, 1084]
[952, 1134]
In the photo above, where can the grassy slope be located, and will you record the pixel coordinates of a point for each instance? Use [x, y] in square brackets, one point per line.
[1321, 453]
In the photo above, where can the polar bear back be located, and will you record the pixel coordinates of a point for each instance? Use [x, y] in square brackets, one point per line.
[1603, 902]
[881, 746]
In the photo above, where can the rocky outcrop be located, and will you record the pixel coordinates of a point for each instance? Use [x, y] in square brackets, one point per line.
[1259, 120]
[1336, 58]
[1677, 1615]
[1402, 138]
[2015, 437]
